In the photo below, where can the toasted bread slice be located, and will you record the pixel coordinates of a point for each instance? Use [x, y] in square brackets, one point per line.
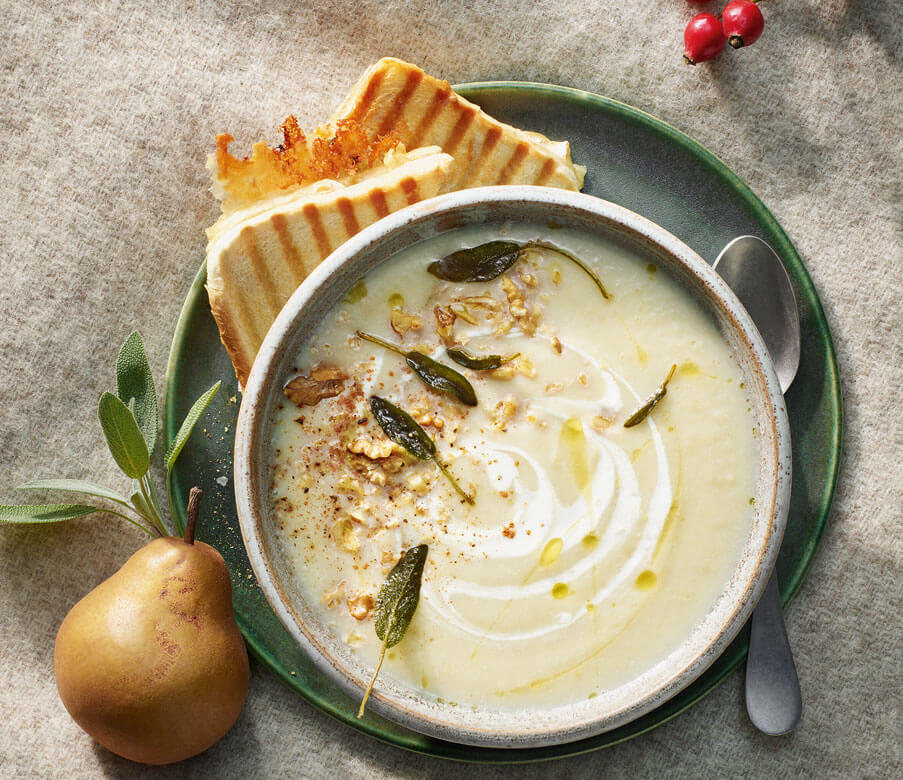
[397, 99]
[339, 152]
[258, 255]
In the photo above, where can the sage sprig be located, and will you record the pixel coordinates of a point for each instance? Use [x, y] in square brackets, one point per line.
[405, 431]
[481, 263]
[396, 603]
[431, 372]
[130, 422]
[488, 261]
[649, 404]
[478, 362]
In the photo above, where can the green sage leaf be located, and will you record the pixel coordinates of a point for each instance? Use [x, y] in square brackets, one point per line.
[399, 595]
[441, 377]
[405, 431]
[194, 414]
[401, 428]
[44, 513]
[396, 603]
[124, 437]
[649, 404]
[75, 486]
[478, 362]
[431, 372]
[134, 381]
[481, 263]
[140, 505]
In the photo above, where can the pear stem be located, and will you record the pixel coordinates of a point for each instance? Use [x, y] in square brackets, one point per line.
[194, 502]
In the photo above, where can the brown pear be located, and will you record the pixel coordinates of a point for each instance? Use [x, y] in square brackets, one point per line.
[151, 662]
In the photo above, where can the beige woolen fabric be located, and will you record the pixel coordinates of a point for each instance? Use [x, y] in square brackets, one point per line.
[107, 111]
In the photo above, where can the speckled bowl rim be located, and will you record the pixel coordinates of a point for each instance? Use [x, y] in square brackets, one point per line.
[582, 720]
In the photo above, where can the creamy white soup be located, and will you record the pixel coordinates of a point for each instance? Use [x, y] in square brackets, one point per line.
[591, 549]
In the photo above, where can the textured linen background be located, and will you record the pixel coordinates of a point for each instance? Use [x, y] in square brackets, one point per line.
[106, 114]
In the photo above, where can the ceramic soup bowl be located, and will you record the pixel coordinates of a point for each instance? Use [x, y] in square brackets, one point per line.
[518, 726]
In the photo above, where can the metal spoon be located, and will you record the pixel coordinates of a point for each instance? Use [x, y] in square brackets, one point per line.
[758, 278]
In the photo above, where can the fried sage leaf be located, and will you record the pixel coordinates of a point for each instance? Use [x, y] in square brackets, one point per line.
[441, 377]
[486, 262]
[401, 428]
[431, 372]
[640, 414]
[478, 362]
[396, 603]
[404, 430]
[481, 263]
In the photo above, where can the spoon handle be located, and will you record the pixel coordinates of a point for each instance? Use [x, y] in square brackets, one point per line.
[773, 698]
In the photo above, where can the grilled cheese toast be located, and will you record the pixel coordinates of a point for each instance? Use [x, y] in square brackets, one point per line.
[398, 99]
[258, 255]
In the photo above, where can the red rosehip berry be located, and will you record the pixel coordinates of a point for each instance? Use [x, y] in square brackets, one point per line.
[742, 22]
[703, 38]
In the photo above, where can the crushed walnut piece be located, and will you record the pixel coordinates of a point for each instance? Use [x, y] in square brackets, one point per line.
[503, 412]
[528, 279]
[360, 513]
[424, 417]
[515, 297]
[556, 344]
[445, 324]
[376, 477]
[323, 382]
[388, 559]
[508, 531]
[526, 319]
[401, 321]
[349, 485]
[417, 483]
[360, 605]
[375, 449]
[519, 365]
[464, 313]
[332, 598]
[600, 422]
[345, 536]
[481, 302]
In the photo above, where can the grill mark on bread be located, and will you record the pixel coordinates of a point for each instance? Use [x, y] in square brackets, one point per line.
[242, 323]
[346, 211]
[312, 215]
[409, 188]
[514, 162]
[493, 134]
[401, 100]
[261, 271]
[292, 256]
[366, 100]
[378, 199]
[458, 131]
[441, 96]
[548, 168]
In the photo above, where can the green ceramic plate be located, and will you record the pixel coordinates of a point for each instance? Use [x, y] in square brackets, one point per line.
[638, 162]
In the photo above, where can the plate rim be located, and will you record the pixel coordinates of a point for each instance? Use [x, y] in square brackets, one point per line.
[438, 748]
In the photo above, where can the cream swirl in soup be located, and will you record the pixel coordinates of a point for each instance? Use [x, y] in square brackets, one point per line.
[591, 549]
